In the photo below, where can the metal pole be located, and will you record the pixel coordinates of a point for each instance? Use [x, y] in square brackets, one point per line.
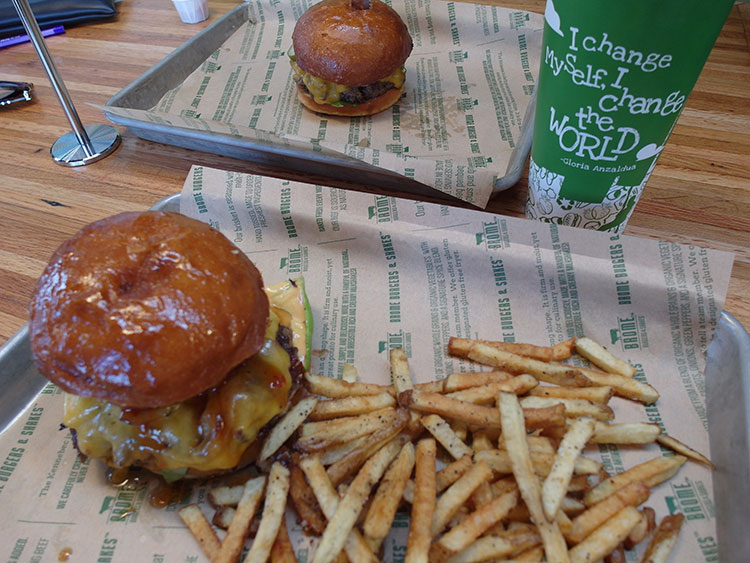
[83, 150]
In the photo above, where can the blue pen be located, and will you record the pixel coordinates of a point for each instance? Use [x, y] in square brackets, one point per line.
[17, 39]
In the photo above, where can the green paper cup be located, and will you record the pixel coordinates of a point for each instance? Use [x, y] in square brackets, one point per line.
[614, 77]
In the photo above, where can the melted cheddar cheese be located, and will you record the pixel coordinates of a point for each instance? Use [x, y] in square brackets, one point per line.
[325, 92]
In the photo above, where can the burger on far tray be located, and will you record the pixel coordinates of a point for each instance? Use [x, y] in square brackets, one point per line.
[348, 57]
[172, 354]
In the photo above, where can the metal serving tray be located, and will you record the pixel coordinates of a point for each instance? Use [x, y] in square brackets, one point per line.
[146, 91]
[728, 403]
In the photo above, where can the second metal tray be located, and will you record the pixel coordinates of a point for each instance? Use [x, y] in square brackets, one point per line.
[146, 91]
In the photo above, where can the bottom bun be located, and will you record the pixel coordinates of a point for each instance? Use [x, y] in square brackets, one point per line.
[370, 107]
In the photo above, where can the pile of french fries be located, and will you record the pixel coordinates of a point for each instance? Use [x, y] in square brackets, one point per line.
[489, 465]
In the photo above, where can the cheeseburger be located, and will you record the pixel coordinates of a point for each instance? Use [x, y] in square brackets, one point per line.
[348, 57]
[172, 354]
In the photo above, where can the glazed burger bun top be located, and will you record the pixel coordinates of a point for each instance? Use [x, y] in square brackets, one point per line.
[341, 41]
[145, 310]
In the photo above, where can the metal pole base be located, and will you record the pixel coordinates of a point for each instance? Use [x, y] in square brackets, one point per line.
[67, 151]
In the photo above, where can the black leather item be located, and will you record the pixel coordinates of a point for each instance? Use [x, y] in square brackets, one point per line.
[49, 13]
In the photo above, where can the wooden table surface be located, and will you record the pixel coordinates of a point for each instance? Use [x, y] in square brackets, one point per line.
[699, 192]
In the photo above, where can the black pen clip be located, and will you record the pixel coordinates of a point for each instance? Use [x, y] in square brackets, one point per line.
[12, 92]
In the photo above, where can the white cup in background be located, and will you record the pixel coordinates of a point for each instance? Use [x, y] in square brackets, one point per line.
[192, 11]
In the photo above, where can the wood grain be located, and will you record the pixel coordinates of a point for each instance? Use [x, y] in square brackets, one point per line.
[699, 192]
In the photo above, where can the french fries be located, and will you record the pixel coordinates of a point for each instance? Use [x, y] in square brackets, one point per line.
[384, 504]
[423, 505]
[596, 394]
[273, 513]
[201, 529]
[340, 388]
[231, 547]
[516, 485]
[328, 499]
[574, 408]
[349, 373]
[616, 556]
[500, 462]
[664, 539]
[500, 546]
[349, 464]
[224, 495]
[444, 434]
[473, 526]
[556, 484]
[223, 517]
[606, 537]
[435, 403]
[348, 406]
[460, 381]
[684, 450]
[283, 550]
[444, 478]
[546, 418]
[559, 374]
[485, 394]
[342, 521]
[304, 502]
[515, 440]
[289, 423]
[480, 440]
[651, 472]
[625, 433]
[623, 386]
[327, 434]
[457, 494]
[642, 530]
[632, 494]
[556, 353]
[477, 415]
[601, 357]
[400, 373]
[534, 554]
[537, 445]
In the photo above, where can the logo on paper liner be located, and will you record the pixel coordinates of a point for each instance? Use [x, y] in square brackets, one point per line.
[384, 210]
[397, 339]
[630, 333]
[494, 234]
[295, 261]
